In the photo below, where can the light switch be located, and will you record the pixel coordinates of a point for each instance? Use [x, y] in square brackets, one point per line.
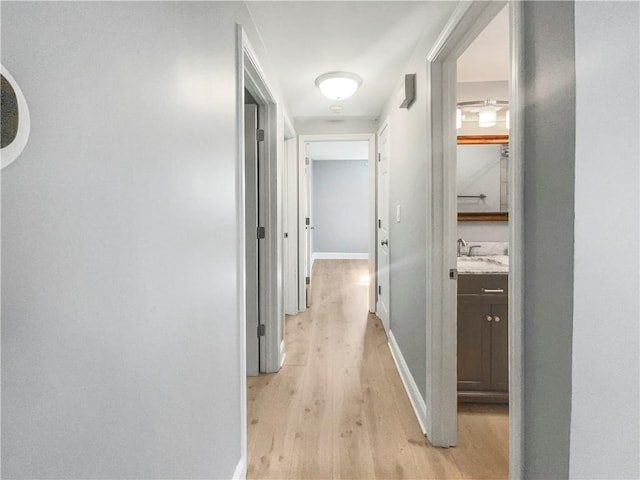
[398, 213]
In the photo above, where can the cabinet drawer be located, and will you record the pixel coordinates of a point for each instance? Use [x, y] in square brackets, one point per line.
[494, 284]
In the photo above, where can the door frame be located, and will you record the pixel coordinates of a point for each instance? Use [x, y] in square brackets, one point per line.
[251, 76]
[344, 137]
[467, 21]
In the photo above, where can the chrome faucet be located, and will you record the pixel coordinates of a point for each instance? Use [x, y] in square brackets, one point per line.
[471, 247]
[461, 243]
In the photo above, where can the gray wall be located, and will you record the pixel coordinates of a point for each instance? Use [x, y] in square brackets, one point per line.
[119, 223]
[340, 206]
[407, 181]
[604, 413]
[484, 231]
[549, 144]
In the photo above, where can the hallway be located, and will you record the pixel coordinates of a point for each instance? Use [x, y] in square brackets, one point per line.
[338, 408]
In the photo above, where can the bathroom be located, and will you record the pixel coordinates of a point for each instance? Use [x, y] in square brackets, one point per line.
[482, 174]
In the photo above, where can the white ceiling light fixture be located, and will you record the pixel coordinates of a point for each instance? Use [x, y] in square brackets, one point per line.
[487, 117]
[338, 85]
[485, 112]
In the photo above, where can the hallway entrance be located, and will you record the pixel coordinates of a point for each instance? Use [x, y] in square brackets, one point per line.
[338, 409]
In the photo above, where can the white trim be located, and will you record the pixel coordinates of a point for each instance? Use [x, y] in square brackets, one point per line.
[466, 22]
[516, 245]
[283, 353]
[289, 130]
[271, 298]
[240, 473]
[417, 402]
[240, 244]
[339, 256]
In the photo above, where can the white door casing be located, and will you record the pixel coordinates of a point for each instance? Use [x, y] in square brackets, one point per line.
[383, 250]
[251, 77]
[467, 21]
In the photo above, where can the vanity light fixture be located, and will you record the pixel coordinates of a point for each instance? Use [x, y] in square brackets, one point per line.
[338, 85]
[484, 111]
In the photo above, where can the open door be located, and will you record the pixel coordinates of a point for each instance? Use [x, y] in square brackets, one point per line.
[382, 306]
[308, 173]
[290, 226]
[251, 240]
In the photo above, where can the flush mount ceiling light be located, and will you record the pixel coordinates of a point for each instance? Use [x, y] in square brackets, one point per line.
[485, 112]
[338, 85]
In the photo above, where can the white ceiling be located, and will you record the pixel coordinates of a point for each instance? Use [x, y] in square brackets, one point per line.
[373, 39]
[346, 150]
[487, 58]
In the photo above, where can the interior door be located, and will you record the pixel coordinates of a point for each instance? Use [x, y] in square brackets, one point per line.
[251, 241]
[308, 173]
[290, 216]
[382, 306]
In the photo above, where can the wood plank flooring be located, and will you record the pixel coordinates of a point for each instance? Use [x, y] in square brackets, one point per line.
[338, 410]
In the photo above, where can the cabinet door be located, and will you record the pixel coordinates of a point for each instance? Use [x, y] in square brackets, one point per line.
[474, 346]
[500, 348]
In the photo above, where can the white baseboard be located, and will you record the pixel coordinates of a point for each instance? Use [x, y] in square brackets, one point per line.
[283, 354]
[417, 402]
[339, 256]
[240, 473]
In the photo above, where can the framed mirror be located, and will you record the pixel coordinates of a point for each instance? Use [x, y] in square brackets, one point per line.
[482, 177]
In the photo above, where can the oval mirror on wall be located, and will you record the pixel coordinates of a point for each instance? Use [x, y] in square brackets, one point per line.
[15, 123]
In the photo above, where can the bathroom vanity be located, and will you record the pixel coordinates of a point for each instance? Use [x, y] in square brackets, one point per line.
[483, 329]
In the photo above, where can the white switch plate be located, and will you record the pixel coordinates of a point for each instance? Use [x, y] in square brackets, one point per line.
[398, 211]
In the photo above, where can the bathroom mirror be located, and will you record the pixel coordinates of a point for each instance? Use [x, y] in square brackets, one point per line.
[482, 177]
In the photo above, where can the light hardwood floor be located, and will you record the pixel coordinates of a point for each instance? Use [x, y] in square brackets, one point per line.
[338, 409]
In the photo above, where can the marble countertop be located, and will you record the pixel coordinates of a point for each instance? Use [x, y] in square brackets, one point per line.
[483, 264]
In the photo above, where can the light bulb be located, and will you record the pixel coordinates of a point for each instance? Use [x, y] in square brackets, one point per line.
[458, 118]
[487, 117]
[508, 120]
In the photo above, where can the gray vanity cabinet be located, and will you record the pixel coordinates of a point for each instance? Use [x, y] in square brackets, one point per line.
[483, 331]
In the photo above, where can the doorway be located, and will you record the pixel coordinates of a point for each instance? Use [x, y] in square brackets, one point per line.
[482, 246]
[442, 275]
[327, 231]
[258, 184]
